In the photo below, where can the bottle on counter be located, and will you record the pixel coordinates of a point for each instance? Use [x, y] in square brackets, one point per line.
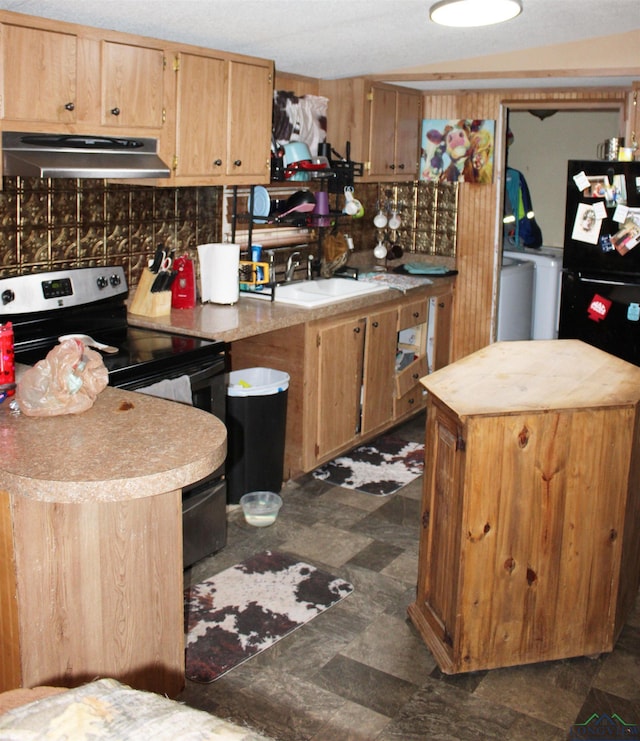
[7, 362]
[256, 256]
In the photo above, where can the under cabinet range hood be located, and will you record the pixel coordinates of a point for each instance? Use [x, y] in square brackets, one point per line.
[80, 156]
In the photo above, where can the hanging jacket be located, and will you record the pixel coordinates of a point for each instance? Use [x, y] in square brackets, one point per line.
[524, 230]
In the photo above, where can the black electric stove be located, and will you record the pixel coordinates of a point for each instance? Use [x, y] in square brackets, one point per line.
[45, 306]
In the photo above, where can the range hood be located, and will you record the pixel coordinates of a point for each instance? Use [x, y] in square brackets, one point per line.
[80, 156]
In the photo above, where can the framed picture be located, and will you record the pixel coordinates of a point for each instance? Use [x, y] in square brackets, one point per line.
[613, 191]
[457, 151]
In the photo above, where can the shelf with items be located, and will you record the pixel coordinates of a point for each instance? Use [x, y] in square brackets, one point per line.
[280, 233]
[411, 354]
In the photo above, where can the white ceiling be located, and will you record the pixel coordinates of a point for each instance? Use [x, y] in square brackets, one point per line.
[342, 38]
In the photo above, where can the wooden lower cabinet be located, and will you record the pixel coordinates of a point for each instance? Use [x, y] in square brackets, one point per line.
[344, 387]
[531, 508]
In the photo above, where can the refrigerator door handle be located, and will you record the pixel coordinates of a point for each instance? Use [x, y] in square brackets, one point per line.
[603, 282]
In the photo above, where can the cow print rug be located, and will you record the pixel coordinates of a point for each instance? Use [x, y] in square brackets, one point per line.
[380, 467]
[245, 609]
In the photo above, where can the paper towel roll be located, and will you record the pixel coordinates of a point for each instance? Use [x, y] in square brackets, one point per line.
[219, 265]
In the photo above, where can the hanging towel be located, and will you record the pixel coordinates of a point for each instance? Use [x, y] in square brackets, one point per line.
[174, 389]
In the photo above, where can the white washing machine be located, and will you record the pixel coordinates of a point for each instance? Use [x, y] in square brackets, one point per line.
[515, 299]
[547, 285]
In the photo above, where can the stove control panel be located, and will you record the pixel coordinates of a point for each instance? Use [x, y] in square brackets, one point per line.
[26, 294]
[57, 288]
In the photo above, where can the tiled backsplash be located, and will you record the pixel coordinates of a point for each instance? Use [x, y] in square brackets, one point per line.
[62, 223]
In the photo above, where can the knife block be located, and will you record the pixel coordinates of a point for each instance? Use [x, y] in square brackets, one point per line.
[146, 303]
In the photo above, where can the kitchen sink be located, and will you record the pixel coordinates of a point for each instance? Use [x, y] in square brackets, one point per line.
[319, 292]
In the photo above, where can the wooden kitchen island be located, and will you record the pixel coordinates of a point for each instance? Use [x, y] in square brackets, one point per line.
[530, 544]
[91, 577]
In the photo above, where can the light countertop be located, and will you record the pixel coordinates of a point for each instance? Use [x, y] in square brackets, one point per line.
[251, 316]
[538, 375]
[127, 446]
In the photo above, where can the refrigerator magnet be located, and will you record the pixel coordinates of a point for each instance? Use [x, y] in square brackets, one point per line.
[633, 312]
[586, 227]
[600, 210]
[598, 307]
[582, 181]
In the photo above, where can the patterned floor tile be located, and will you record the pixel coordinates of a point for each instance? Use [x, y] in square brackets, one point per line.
[362, 684]
[361, 672]
[387, 644]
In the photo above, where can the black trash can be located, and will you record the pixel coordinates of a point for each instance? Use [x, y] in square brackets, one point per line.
[256, 418]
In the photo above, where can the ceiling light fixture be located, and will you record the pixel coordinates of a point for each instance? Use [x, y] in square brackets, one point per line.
[541, 113]
[468, 13]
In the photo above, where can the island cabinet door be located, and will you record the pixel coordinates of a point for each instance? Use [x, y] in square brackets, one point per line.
[440, 544]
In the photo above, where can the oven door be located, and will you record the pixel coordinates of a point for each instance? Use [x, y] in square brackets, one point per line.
[206, 379]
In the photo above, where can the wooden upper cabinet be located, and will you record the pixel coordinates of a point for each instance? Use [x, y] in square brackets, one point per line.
[408, 122]
[382, 123]
[40, 74]
[223, 120]
[132, 86]
[201, 144]
[394, 133]
[382, 149]
[250, 103]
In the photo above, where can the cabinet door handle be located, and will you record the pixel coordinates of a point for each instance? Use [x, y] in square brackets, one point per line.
[416, 376]
[217, 162]
[115, 111]
[401, 167]
[70, 106]
[416, 314]
[441, 305]
[392, 167]
[237, 163]
[356, 330]
[375, 324]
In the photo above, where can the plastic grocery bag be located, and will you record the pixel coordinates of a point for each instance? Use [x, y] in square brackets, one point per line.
[67, 381]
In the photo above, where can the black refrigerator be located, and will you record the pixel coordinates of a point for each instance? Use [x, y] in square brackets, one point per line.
[600, 301]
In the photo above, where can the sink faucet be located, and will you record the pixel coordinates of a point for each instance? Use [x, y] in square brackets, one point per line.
[310, 266]
[293, 261]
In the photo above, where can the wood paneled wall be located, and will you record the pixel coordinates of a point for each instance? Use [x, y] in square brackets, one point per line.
[479, 227]
[476, 233]
[298, 84]
[10, 671]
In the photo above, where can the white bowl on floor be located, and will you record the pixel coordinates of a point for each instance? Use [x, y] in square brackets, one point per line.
[261, 507]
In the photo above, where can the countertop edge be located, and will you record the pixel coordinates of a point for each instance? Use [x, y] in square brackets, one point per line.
[127, 446]
[250, 317]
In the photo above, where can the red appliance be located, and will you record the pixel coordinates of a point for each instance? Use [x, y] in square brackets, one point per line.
[183, 288]
[7, 368]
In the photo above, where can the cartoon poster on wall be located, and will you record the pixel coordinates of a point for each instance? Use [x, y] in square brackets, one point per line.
[457, 151]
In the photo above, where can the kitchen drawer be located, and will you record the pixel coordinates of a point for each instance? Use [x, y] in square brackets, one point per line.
[409, 377]
[413, 400]
[412, 314]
